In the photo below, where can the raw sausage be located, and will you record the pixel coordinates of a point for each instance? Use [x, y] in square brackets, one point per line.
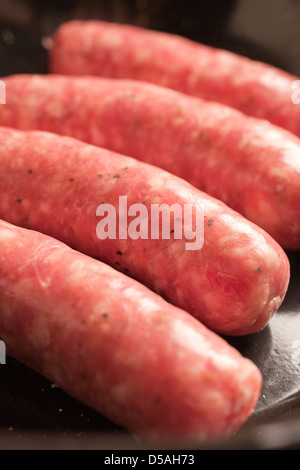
[116, 346]
[123, 51]
[250, 164]
[55, 185]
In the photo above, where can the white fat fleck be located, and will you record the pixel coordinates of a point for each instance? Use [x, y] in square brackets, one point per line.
[245, 391]
[271, 78]
[240, 226]
[224, 241]
[7, 234]
[184, 189]
[75, 276]
[215, 399]
[289, 150]
[264, 134]
[44, 282]
[274, 304]
[146, 303]
[117, 283]
[272, 135]
[223, 362]
[142, 56]
[111, 39]
[292, 159]
[157, 182]
[245, 395]
[277, 139]
[79, 268]
[187, 336]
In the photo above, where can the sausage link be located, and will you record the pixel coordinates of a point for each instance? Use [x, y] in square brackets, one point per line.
[247, 163]
[123, 51]
[55, 184]
[116, 346]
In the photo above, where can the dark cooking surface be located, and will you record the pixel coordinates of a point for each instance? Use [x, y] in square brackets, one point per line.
[35, 413]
